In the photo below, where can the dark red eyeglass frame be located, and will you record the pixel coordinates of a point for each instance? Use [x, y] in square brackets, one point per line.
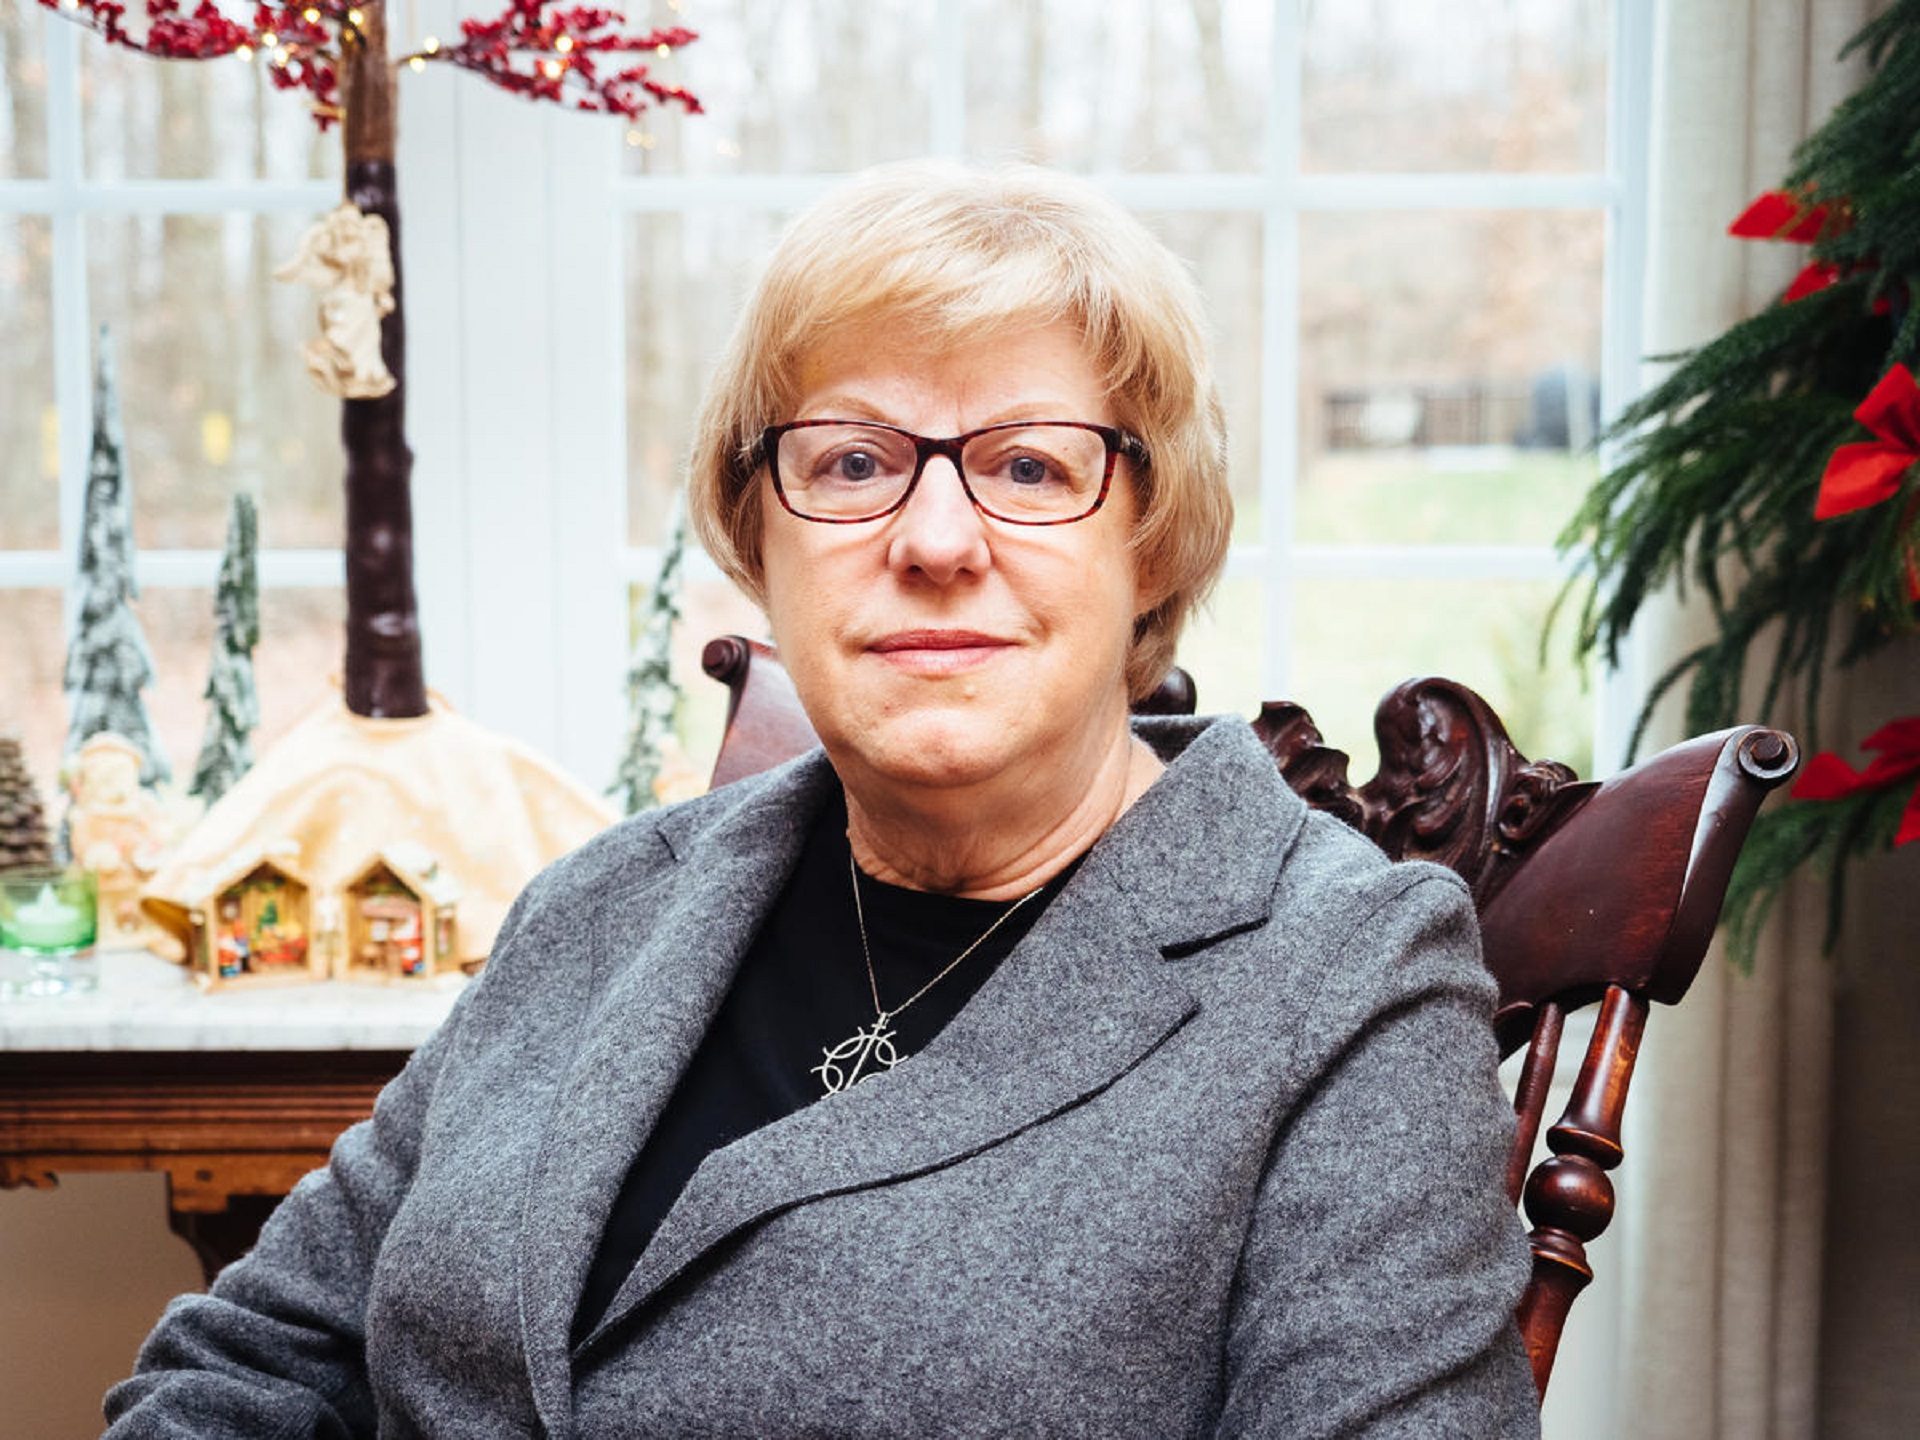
[1118, 442]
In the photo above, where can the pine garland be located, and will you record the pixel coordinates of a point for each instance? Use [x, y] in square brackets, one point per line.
[1827, 834]
[1723, 462]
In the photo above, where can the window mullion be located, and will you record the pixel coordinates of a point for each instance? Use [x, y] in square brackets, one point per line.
[947, 121]
[72, 340]
[1280, 351]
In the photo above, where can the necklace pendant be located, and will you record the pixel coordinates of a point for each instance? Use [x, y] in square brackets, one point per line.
[861, 1056]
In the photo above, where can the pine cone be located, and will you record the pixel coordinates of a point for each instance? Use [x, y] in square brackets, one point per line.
[23, 825]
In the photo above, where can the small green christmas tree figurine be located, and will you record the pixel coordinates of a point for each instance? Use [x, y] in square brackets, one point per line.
[653, 696]
[108, 662]
[23, 824]
[233, 707]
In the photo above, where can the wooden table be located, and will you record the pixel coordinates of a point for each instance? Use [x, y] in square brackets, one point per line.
[234, 1096]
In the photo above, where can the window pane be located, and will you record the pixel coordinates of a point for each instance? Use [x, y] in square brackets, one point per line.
[1471, 85]
[1356, 640]
[1119, 84]
[300, 645]
[23, 82]
[148, 119]
[213, 390]
[1224, 254]
[790, 88]
[1222, 647]
[29, 429]
[1449, 375]
[708, 608]
[686, 278]
[33, 647]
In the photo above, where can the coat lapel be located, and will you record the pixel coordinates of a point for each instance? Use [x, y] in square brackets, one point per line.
[1083, 998]
[668, 952]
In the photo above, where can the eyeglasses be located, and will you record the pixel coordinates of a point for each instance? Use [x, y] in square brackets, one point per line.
[1025, 472]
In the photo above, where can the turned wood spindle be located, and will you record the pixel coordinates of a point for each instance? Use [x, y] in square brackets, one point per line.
[1569, 1197]
[1530, 1095]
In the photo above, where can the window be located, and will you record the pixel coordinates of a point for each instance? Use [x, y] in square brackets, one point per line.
[156, 199]
[1417, 229]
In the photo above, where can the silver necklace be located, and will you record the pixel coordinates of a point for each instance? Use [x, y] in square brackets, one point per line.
[870, 1049]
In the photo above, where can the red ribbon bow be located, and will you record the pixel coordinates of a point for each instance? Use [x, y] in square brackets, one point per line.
[1781, 215]
[1828, 777]
[1869, 472]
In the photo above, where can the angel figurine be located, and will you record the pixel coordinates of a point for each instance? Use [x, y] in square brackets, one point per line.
[347, 256]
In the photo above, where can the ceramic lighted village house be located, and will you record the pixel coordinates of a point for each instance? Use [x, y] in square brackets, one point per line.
[397, 918]
[252, 924]
[262, 921]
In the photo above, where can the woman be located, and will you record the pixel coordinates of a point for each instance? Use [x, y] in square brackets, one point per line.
[1007, 1068]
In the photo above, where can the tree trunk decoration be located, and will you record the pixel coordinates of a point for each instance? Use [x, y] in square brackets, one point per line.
[384, 674]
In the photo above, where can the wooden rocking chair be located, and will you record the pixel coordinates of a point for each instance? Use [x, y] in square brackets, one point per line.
[1588, 893]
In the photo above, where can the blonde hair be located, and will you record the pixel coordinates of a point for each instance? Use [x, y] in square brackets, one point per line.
[950, 254]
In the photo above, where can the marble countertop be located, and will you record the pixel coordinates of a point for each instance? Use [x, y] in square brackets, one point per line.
[146, 1003]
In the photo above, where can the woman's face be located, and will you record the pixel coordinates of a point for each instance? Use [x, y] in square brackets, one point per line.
[935, 646]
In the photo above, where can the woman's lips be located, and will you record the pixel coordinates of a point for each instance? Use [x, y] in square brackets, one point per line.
[938, 652]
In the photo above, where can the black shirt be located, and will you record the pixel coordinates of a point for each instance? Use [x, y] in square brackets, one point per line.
[802, 988]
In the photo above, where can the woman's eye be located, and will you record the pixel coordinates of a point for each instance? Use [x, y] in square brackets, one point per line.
[855, 465]
[1026, 470]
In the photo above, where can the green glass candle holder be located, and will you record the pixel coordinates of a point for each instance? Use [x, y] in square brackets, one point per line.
[49, 917]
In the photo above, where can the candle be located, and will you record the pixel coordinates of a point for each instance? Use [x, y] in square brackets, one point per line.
[47, 916]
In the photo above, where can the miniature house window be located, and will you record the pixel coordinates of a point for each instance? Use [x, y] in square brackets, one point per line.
[386, 927]
[261, 925]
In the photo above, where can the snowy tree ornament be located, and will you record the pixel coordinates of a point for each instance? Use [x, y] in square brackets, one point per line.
[233, 706]
[108, 662]
[653, 695]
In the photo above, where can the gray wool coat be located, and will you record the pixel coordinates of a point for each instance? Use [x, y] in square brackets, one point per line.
[1215, 1151]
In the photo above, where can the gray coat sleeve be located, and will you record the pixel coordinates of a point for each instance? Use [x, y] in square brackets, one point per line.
[277, 1347]
[1376, 1290]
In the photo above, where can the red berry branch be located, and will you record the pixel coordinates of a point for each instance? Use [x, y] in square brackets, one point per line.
[531, 48]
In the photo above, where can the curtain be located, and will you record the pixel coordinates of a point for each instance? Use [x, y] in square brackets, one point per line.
[1727, 1182]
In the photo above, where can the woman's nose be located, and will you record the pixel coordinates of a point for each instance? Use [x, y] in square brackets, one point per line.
[938, 532]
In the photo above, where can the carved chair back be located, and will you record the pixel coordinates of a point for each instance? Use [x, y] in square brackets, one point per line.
[1588, 892]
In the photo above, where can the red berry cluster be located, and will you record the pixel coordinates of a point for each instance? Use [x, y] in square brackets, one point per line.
[530, 48]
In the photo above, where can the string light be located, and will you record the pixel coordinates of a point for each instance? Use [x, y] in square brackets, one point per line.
[641, 138]
[430, 45]
[564, 44]
[245, 52]
[310, 15]
[663, 50]
[416, 64]
[270, 40]
[355, 19]
[551, 69]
